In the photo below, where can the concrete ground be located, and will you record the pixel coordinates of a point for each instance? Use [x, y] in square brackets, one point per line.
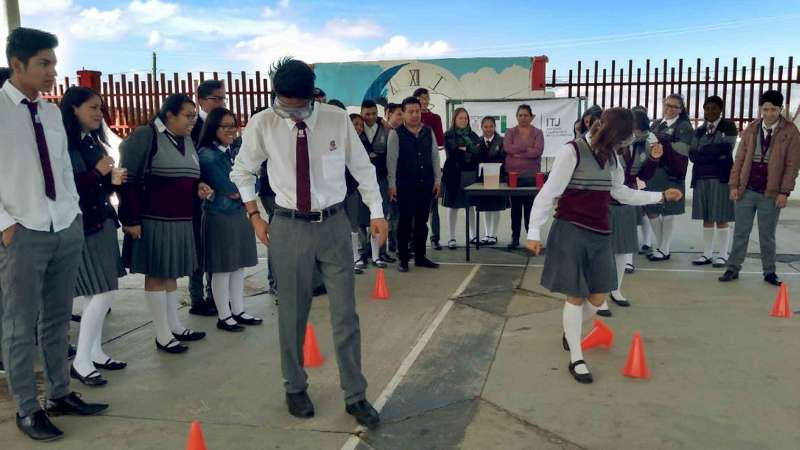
[469, 356]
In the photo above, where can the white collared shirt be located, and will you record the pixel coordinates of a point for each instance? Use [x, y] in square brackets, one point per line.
[371, 130]
[714, 124]
[22, 196]
[333, 145]
[672, 121]
[766, 128]
[202, 114]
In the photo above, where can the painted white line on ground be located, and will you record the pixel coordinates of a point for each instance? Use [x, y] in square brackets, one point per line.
[638, 269]
[412, 356]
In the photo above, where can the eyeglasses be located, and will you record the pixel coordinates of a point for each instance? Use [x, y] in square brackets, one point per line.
[672, 106]
[222, 100]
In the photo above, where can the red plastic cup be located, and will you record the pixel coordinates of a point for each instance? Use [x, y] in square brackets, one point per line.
[539, 179]
[513, 179]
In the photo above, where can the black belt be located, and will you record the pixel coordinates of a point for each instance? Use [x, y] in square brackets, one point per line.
[313, 216]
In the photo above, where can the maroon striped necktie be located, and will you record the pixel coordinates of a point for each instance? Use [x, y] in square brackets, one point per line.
[44, 154]
[303, 170]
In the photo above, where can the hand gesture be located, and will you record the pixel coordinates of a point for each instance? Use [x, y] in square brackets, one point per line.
[672, 195]
[105, 165]
[380, 228]
[535, 247]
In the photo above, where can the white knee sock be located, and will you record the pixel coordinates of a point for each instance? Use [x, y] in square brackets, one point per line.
[709, 236]
[173, 321]
[376, 248]
[94, 313]
[629, 258]
[157, 302]
[98, 355]
[667, 228]
[572, 318]
[471, 223]
[619, 261]
[220, 286]
[589, 310]
[724, 241]
[452, 220]
[647, 232]
[355, 241]
[656, 226]
[492, 219]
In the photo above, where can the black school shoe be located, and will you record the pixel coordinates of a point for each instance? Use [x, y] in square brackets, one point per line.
[435, 245]
[223, 325]
[729, 275]
[604, 312]
[72, 405]
[189, 335]
[93, 379]
[584, 378]
[300, 405]
[772, 279]
[364, 414]
[38, 427]
[623, 303]
[169, 348]
[252, 320]
[425, 262]
[205, 308]
[402, 267]
[658, 256]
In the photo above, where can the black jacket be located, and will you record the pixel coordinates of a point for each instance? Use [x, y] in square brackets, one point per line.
[93, 188]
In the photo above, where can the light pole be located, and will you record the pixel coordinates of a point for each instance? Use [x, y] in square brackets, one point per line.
[11, 19]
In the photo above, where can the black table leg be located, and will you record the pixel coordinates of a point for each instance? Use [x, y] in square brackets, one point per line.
[466, 227]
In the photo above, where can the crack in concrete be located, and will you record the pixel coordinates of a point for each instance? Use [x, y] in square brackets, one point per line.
[551, 436]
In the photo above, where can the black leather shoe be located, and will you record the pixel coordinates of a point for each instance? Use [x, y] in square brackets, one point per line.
[300, 405]
[72, 405]
[178, 348]
[248, 320]
[223, 325]
[645, 250]
[38, 427]
[514, 244]
[584, 378]
[189, 335]
[93, 379]
[203, 308]
[110, 364]
[425, 262]
[729, 275]
[772, 279]
[435, 245]
[623, 303]
[604, 312]
[659, 256]
[403, 266]
[387, 258]
[364, 413]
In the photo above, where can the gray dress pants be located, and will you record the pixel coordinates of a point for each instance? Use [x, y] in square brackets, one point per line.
[749, 205]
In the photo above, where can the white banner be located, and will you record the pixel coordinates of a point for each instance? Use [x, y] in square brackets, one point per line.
[554, 116]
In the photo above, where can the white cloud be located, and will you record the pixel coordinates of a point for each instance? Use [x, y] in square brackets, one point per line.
[291, 41]
[400, 47]
[95, 24]
[283, 4]
[152, 11]
[360, 28]
[156, 40]
[270, 13]
[35, 7]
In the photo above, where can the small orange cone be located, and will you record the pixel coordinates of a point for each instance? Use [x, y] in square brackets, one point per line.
[600, 336]
[196, 440]
[781, 307]
[636, 366]
[381, 291]
[311, 354]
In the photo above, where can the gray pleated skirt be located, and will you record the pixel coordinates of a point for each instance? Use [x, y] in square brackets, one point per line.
[229, 242]
[624, 219]
[166, 249]
[711, 201]
[101, 264]
[578, 262]
[457, 198]
[659, 183]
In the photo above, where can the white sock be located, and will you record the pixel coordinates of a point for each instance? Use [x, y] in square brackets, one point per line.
[172, 313]
[667, 228]
[237, 294]
[647, 232]
[629, 258]
[452, 220]
[709, 236]
[98, 355]
[589, 310]
[376, 248]
[492, 219]
[220, 286]
[471, 223]
[619, 261]
[726, 238]
[157, 302]
[572, 318]
[656, 227]
[355, 240]
[94, 313]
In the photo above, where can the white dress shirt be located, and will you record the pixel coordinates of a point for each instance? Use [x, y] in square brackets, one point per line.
[22, 197]
[371, 130]
[560, 176]
[333, 145]
[672, 121]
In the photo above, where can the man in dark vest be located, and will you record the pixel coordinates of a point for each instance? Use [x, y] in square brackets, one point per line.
[414, 180]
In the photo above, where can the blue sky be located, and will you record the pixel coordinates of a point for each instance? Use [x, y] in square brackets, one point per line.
[116, 36]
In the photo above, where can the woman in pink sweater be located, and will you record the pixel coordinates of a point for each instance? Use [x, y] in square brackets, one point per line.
[523, 145]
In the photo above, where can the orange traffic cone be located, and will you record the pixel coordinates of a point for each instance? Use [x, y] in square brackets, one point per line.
[781, 307]
[381, 291]
[636, 366]
[601, 335]
[311, 354]
[196, 440]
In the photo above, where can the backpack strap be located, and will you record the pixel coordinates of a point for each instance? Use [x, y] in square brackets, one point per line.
[153, 149]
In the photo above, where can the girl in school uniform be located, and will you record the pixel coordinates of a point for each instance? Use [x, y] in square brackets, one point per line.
[712, 155]
[101, 265]
[674, 132]
[579, 262]
[156, 213]
[229, 245]
[490, 150]
[460, 170]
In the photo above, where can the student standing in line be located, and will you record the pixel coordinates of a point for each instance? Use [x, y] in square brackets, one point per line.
[460, 170]
[763, 176]
[434, 121]
[579, 261]
[712, 155]
[490, 150]
[357, 211]
[393, 114]
[668, 170]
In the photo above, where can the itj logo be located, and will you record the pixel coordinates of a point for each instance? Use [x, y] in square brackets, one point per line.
[553, 122]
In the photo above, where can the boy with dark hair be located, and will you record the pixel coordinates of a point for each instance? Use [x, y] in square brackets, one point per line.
[42, 236]
[434, 121]
[761, 180]
[414, 177]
